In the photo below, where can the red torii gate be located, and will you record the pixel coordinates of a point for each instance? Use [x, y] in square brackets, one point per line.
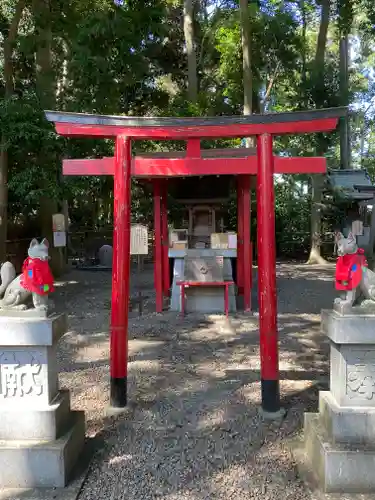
[196, 162]
[159, 167]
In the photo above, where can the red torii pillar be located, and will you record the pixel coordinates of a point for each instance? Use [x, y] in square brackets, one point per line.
[161, 240]
[269, 355]
[120, 273]
[239, 270]
[158, 247]
[165, 237]
[246, 251]
[244, 259]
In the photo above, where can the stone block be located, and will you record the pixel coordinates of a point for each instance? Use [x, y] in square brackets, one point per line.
[20, 330]
[352, 376]
[202, 299]
[28, 370]
[346, 424]
[208, 300]
[339, 468]
[350, 328]
[47, 423]
[105, 255]
[352, 364]
[27, 464]
[28, 376]
[40, 437]
[203, 268]
[340, 439]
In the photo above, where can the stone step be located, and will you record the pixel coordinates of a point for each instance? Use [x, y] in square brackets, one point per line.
[46, 424]
[338, 468]
[346, 424]
[42, 464]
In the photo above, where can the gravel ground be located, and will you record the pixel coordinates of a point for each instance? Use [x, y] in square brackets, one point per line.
[192, 429]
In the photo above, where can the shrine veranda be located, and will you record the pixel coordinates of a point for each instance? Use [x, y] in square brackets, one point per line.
[244, 165]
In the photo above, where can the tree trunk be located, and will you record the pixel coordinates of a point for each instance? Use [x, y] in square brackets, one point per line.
[316, 220]
[322, 37]
[304, 50]
[46, 90]
[317, 180]
[190, 50]
[246, 63]
[9, 88]
[45, 78]
[60, 104]
[246, 58]
[345, 155]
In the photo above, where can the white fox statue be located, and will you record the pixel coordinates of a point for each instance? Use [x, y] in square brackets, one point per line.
[352, 275]
[34, 284]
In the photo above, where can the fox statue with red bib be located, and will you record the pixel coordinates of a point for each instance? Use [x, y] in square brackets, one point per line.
[35, 282]
[353, 275]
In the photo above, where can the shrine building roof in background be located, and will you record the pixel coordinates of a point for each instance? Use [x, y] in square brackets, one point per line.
[350, 185]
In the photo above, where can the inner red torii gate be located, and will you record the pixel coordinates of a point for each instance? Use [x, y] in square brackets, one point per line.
[197, 162]
[159, 167]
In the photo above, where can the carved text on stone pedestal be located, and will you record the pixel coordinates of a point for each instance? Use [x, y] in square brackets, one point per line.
[19, 372]
[360, 374]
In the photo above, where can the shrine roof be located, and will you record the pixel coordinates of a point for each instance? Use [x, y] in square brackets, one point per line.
[351, 185]
[177, 127]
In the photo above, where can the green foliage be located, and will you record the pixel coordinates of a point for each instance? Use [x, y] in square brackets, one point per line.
[28, 137]
[130, 59]
[276, 45]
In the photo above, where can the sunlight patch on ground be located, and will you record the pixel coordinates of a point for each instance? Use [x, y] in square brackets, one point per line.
[60, 284]
[190, 387]
[290, 387]
[305, 337]
[294, 324]
[122, 459]
[144, 366]
[246, 325]
[251, 393]
[141, 347]
[93, 353]
[309, 343]
[213, 332]
[212, 419]
[234, 367]
[74, 338]
[299, 316]
[209, 370]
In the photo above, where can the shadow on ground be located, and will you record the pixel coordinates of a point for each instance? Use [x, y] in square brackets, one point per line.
[192, 427]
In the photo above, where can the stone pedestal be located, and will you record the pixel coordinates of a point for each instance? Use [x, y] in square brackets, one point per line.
[40, 437]
[340, 439]
[205, 300]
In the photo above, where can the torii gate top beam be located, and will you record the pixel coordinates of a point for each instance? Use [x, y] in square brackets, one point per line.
[297, 122]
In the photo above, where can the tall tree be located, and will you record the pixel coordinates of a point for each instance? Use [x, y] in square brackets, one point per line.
[319, 96]
[345, 150]
[345, 20]
[9, 36]
[190, 50]
[46, 90]
[246, 63]
[246, 57]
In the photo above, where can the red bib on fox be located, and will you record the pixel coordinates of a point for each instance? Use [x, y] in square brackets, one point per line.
[37, 276]
[349, 270]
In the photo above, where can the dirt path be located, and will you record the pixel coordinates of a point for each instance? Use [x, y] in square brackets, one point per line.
[192, 430]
